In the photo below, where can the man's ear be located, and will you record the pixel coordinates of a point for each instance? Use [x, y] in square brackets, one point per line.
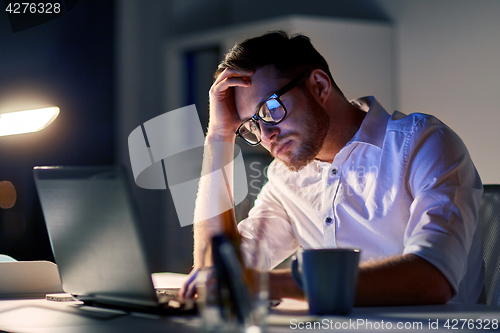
[320, 85]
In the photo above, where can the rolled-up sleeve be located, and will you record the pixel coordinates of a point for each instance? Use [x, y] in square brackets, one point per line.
[446, 191]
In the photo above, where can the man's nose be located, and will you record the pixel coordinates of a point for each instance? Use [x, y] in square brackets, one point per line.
[268, 132]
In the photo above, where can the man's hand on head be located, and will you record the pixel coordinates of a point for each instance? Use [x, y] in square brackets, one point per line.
[224, 118]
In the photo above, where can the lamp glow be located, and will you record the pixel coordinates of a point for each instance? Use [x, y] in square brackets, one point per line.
[28, 121]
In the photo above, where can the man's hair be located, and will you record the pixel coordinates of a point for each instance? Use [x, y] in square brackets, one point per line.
[290, 55]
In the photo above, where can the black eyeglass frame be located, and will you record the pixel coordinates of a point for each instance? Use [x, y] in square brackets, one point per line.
[256, 117]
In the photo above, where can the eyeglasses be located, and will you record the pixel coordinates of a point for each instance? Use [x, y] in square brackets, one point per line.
[270, 112]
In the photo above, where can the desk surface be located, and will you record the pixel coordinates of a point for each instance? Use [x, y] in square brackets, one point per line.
[47, 316]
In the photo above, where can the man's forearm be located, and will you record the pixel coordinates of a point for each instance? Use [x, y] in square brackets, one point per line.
[214, 212]
[205, 230]
[402, 280]
[282, 285]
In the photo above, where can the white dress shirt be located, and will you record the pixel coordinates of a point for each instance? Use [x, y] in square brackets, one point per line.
[403, 184]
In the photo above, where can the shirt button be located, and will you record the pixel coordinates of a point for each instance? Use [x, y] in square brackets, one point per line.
[328, 220]
[334, 171]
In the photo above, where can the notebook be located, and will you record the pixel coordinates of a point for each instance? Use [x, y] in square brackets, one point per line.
[94, 234]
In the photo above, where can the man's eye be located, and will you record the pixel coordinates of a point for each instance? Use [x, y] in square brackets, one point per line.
[251, 126]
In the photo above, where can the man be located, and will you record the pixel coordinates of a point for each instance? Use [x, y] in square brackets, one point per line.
[402, 188]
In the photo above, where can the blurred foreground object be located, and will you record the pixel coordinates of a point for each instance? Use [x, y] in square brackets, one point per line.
[7, 195]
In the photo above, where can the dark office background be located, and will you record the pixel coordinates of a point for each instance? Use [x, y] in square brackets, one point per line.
[67, 62]
[81, 62]
[103, 62]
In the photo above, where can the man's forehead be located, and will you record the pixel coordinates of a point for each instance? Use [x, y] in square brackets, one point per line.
[264, 83]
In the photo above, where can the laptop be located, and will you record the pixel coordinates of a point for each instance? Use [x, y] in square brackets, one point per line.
[94, 233]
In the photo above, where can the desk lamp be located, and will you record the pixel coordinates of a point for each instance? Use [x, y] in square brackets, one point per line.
[20, 122]
[27, 121]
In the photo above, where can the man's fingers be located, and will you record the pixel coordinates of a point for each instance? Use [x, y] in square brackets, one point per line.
[191, 291]
[229, 72]
[221, 87]
[231, 77]
[188, 289]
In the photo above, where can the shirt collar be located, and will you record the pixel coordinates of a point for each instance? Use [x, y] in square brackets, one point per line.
[373, 127]
[372, 130]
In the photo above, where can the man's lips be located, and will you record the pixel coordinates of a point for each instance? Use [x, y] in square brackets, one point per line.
[283, 148]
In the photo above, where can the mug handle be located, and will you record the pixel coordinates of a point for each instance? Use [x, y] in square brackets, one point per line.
[297, 277]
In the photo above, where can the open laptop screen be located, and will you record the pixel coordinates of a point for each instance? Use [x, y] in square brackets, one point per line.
[94, 234]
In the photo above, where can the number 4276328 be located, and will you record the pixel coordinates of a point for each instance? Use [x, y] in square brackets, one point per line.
[33, 8]
[472, 324]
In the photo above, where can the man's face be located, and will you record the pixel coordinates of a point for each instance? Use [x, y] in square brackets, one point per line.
[298, 139]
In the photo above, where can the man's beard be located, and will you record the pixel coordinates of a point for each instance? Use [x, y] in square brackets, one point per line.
[317, 123]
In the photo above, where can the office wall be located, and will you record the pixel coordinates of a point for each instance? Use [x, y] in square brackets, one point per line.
[140, 31]
[449, 53]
